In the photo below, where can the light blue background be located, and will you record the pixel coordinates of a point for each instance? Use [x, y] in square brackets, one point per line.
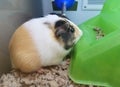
[77, 17]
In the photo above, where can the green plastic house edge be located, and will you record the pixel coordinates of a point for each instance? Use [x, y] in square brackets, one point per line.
[97, 62]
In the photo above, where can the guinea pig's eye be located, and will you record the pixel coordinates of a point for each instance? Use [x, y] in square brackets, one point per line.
[72, 29]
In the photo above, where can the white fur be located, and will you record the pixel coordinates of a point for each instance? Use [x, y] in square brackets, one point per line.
[50, 51]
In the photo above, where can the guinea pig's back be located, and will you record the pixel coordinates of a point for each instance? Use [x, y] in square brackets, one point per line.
[23, 53]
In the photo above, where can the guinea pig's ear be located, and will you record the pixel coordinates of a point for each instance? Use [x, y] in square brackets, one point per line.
[59, 27]
[59, 23]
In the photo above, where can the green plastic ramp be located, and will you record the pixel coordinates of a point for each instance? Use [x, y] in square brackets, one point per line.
[97, 62]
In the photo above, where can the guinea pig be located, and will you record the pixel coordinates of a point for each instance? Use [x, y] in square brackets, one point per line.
[43, 41]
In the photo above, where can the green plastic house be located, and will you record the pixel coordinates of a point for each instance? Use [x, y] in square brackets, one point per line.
[97, 62]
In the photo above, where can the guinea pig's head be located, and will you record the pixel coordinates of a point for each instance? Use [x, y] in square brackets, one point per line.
[65, 31]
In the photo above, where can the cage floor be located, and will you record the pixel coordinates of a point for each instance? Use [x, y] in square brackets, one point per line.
[53, 76]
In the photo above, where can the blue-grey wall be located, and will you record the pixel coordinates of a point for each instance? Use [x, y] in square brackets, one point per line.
[37, 8]
[12, 14]
[77, 17]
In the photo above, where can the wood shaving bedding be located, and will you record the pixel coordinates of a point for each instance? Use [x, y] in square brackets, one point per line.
[99, 33]
[53, 76]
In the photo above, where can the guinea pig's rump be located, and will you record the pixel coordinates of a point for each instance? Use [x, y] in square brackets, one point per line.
[23, 53]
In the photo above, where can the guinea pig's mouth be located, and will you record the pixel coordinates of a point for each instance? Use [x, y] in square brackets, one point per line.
[67, 47]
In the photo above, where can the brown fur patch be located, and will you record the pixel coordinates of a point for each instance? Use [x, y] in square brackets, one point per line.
[23, 53]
